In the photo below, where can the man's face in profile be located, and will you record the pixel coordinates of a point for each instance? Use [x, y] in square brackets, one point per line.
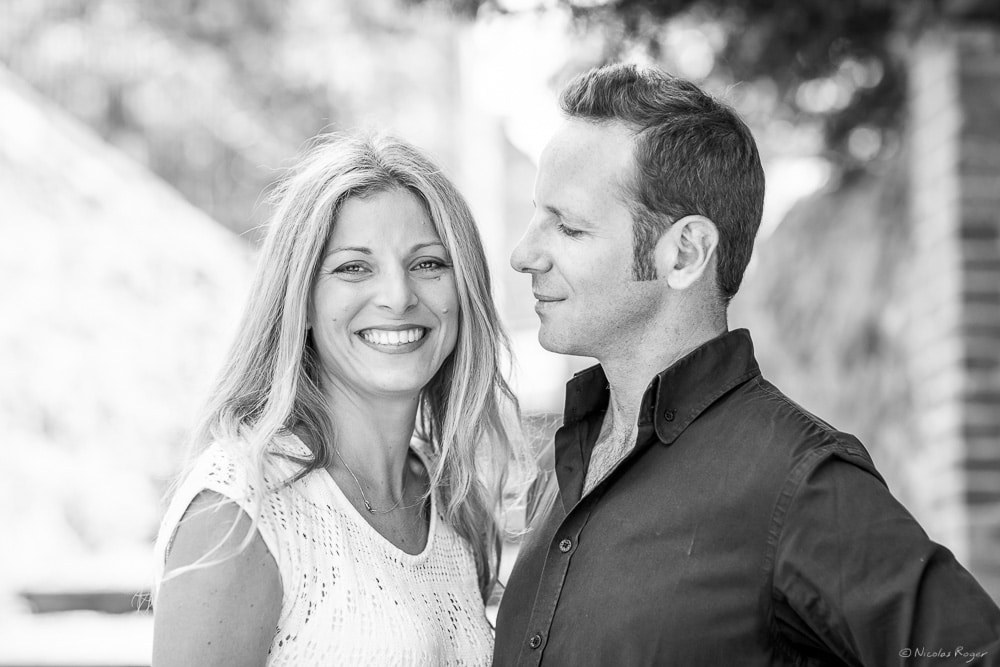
[578, 245]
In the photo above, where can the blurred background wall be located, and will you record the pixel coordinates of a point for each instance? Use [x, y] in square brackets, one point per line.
[137, 138]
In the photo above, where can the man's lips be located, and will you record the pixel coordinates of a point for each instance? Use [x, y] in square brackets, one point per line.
[545, 303]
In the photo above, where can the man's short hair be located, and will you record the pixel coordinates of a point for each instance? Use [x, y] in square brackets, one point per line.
[693, 155]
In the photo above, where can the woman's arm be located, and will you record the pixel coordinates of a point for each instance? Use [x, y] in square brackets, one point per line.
[222, 614]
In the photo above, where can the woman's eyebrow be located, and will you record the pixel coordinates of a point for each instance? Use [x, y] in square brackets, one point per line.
[428, 244]
[364, 251]
[367, 251]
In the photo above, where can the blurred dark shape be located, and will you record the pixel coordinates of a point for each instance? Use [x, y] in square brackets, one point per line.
[107, 602]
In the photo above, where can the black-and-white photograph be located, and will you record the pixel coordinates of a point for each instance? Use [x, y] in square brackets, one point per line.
[499, 332]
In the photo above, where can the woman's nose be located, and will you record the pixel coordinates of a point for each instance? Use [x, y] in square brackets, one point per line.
[396, 292]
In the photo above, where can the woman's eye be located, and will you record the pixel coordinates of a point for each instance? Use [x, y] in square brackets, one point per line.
[568, 231]
[352, 269]
[431, 265]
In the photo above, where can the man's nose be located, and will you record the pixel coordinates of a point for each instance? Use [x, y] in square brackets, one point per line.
[530, 255]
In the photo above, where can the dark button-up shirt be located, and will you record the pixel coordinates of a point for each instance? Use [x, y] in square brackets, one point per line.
[741, 530]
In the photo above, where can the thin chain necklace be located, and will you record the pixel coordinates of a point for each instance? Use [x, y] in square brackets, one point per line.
[368, 505]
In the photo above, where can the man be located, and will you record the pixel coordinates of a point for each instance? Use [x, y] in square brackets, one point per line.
[701, 517]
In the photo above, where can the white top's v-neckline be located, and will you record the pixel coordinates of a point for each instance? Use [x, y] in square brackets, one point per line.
[351, 510]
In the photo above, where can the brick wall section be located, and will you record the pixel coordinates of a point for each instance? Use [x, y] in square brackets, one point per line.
[932, 305]
[954, 307]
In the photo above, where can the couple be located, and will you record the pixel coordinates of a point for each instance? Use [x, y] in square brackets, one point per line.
[343, 509]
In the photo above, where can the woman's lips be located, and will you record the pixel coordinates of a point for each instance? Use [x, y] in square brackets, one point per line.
[396, 337]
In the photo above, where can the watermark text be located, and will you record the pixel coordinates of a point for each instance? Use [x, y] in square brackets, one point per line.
[960, 652]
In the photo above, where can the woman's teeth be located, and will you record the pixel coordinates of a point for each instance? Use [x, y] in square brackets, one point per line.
[384, 337]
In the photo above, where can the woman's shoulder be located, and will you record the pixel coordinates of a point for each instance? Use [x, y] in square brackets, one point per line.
[232, 470]
[233, 463]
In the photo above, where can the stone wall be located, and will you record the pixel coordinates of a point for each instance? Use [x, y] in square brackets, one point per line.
[954, 309]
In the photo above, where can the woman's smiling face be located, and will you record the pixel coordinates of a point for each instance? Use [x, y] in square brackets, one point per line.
[385, 308]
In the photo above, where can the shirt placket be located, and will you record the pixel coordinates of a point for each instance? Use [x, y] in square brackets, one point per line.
[561, 546]
[557, 560]
[559, 554]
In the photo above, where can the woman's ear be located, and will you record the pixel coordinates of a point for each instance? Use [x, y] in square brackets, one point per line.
[685, 250]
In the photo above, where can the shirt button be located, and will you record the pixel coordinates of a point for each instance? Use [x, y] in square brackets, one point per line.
[565, 545]
[668, 415]
[535, 641]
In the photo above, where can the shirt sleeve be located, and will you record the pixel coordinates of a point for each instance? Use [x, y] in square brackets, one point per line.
[856, 578]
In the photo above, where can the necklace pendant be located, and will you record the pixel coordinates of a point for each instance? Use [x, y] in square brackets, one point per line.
[368, 506]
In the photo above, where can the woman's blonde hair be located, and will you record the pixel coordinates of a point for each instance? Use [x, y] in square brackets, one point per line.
[270, 383]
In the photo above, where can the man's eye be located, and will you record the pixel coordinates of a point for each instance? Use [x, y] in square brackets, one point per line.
[568, 231]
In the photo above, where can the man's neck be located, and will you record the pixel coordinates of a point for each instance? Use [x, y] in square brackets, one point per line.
[629, 370]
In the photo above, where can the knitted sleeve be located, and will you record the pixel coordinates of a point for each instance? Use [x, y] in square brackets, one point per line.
[227, 469]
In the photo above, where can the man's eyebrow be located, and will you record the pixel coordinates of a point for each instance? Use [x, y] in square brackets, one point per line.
[566, 215]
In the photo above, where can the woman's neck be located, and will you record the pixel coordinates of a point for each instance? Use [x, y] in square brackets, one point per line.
[373, 434]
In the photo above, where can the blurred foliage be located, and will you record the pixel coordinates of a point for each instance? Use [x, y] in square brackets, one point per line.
[836, 66]
[216, 95]
[119, 298]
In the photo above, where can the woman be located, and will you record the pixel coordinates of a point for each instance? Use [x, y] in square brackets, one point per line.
[313, 527]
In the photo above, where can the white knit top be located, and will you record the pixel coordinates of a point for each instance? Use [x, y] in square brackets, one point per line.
[350, 597]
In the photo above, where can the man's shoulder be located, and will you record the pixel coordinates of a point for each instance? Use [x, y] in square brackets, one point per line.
[793, 429]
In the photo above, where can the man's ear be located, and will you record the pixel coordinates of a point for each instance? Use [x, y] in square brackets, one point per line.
[685, 250]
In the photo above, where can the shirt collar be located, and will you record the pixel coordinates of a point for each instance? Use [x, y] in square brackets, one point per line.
[677, 395]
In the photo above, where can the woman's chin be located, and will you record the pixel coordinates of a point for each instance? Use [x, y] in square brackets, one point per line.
[397, 384]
